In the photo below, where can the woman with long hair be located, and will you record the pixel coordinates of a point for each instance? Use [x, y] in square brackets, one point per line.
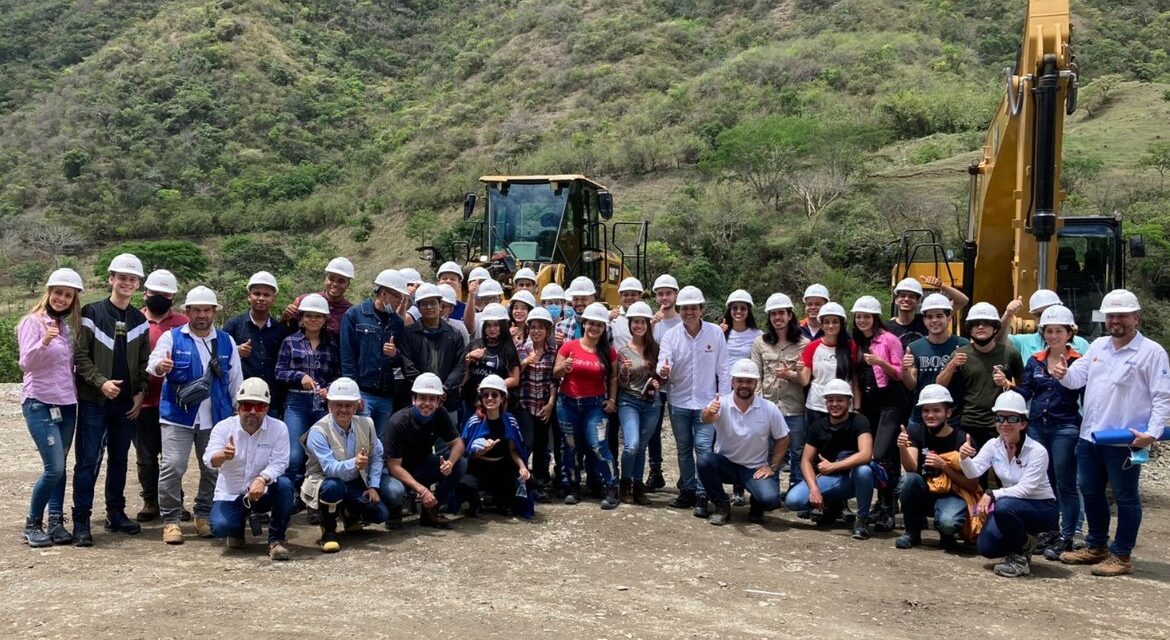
[638, 403]
[49, 399]
[779, 352]
[538, 404]
[521, 304]
[493, 353]
[496, 455]
[739, 326]
[879, 378]
[830, 357]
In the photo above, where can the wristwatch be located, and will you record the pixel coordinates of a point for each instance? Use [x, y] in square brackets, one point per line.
[775, 468]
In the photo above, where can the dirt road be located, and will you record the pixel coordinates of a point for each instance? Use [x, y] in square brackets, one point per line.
[573, 572]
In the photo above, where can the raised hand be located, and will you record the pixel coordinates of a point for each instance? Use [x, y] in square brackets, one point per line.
[166, 365]
[245, 349]
[714, 405]
[908, 360]
[968, 449]
[664, 372]
[569, 363]
[229, 449]
[111, 389]
[998, 377]
[445, 466]
[1060, 369]
[52, 330]
[959, 358]
[389, 349]
[361, 460]
[904, 441]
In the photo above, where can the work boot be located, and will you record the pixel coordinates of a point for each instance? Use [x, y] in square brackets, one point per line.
[684, 500]
[701, 504]
[722, 514]
[203, 527]
[172, 533]
[278, 550]
[34, 533]
[640, 494]
[328, 541]
[737, 499]
[431, 517]
[1058, 547]
[755, 512]
[1114, 565]
[908, 540]
[236, 542]
[117, 522]
[81, 534]
[655, 480]
[57, 530]
[314, 516]
[1013, 566]
[627, 491]
[149, 511]
[611, 499]
[860, 529]
[1085, 555]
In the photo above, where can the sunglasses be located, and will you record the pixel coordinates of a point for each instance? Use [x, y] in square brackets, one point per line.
[252, 407]
[490, 395]
[1016, 419]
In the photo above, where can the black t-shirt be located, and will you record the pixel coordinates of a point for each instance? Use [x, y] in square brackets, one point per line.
[493, 362]
[831, 440]
[923, 439]
[406, 438]
[907, 333]
[121, 368]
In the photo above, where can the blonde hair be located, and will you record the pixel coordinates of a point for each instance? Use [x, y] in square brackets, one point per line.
[73, 314]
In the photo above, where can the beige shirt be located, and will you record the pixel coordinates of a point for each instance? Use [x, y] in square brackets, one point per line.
[788, 395]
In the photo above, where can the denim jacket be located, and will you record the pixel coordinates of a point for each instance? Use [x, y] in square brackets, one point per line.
[363, 332]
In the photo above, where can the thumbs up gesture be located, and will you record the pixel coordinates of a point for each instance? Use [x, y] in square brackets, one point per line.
[714, 406]
[627, 365]
[998, 376]
[569, 363]
[824, 467]
[52, 330]
[1014, 306]
[664, 372]
[959, 358]
[361, 460]
[165, 365]
[904, 438]
[390, 349]
[908, 360]
[445, 466]
[229, 450]
[111, 389]
[1060, 369]
[968, 449]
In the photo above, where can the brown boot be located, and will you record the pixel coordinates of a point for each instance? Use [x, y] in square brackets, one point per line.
[627, 493]
[431, 517]
[1114, 565]
[149, 511]
[640, 497]
[1084, 555]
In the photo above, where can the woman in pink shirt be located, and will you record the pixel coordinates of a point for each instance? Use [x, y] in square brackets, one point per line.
[882, 397]
[49, 399]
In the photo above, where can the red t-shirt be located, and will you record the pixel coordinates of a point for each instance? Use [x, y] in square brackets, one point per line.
[588, 378]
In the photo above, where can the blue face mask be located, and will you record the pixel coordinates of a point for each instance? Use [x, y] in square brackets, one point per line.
[569, 312]
[420, 417]
[1139, 456]
[554, 311]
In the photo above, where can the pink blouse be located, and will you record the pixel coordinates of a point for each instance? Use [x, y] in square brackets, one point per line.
[48, 371]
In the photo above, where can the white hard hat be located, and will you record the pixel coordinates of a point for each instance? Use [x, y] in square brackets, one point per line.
[631, 284]
[552, 291]
[836, 387]
[425, 291]
[596, 312]
[777, 301]
[126, 263]
[494, 382]
[450, 267]
[427, 384]
[261, 277]
[411, 274]
[745, 368]
[1120, 301]
[524, 296]
[201, 296]
[739, 295]
[1011, 402]
[816, 291]
[477, 274]
[640, 310]
[254, 390]
[448, 294]
[162, 281]
[1041, 299]
[1057, 314]
[690, 295]
[983, 311]
[391, 279]
[831, 309]
[344, 390]
[314, 303]
[581, 286]
[665, 281]
[524, 274]
[935, 394]
[937, 302]
[866, 304]
[494, 311]
[540, 313]
[340, 266]
[65, 277]
[489, 288]
[909, 285]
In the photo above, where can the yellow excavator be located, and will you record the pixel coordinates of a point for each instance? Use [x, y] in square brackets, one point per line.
[557, 225]
[1015, 198]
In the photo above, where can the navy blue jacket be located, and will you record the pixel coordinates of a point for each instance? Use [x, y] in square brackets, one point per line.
[1050, 400]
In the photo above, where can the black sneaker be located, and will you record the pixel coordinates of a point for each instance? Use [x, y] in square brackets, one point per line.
[860, 530]
[611, 499]
[571, 498]
[539, 495]
[701, 507]
[314, 517]
[721, 516]
[908, 540]
[1059, 546]
[655, 480]
[684, 500]
[34, 533]
[117, 522]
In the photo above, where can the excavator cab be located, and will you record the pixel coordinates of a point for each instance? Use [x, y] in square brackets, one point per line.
[1090, 262]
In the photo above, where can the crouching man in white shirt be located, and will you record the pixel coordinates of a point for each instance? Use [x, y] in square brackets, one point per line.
[250, 450]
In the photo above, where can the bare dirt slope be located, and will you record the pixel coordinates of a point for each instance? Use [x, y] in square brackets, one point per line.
[574, 572]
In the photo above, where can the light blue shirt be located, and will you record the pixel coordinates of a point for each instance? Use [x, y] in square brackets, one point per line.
[1029, 343]
[345, 469]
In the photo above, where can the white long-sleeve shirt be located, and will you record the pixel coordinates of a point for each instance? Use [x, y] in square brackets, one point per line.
[1127, 388]
[203, 347]
[263, 454]
[698, 365]
[1025, 477]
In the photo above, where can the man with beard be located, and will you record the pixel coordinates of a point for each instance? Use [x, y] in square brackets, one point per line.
[747, 427]
[258, 337]
[432, 345]
[338, 275]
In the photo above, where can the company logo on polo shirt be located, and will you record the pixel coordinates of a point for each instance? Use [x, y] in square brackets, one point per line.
[709, 348]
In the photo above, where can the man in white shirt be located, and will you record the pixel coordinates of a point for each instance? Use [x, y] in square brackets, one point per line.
[665, 319]
[250, 450]
[1126, 378]
[746, 426]
[197, 394]
[693, 358]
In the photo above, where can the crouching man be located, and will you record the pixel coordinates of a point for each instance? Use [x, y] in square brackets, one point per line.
[746, 425]
[250, 451]
[340, 478]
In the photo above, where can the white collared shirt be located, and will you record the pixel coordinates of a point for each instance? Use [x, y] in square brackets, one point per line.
[1025, 477]
[1124, 389]
[743, 436]
[263, 454]
[698, 365]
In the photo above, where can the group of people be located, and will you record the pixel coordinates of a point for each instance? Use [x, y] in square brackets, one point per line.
[445, 396]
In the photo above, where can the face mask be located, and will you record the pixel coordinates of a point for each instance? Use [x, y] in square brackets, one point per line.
[420, 417]
[53, 313]
[1139, 456]
[569, 312]
[554, 311]
[159, 305]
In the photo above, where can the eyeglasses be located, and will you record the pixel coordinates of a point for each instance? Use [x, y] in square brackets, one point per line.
[253, 407]
[490, 395]
[1013, 419]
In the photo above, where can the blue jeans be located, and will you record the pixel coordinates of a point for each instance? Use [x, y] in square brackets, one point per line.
[797, 435]
[300, 414]
[426, 474]
[100, 426]
[379, 408]
[654, 445]
[693, 439]
[53, 440]
[1097, 467]
[1061, 442]
[950, 511]
[1012, 521]
[858, 483]
[227, 516]
[638, 418]
[581, 420]
[715, 470]
[338, 494]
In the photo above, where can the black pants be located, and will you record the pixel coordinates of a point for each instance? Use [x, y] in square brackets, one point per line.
[497, 478]
[537, 437]
[147, 449]
[882, 407]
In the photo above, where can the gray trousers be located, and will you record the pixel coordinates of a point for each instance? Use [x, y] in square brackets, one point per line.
[176, 454]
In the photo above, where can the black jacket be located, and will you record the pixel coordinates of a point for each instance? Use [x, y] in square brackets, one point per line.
[442, 354]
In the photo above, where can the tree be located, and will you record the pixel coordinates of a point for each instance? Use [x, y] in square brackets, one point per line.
[30, 275]
[1157, 157]
[50, 238]
[762, 153]
[184, 259]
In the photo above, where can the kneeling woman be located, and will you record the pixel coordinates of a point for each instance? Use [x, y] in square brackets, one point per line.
[496, 455]
[1025, 506]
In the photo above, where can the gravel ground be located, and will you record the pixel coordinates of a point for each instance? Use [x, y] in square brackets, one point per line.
[573, 572]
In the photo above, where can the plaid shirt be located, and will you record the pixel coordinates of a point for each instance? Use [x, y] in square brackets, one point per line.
[536, 381]
[573, 328]
[297, 359]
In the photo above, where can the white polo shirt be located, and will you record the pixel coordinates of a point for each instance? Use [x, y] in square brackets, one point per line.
[698, 365]
[1026, 477]
[263, 454]
[743, 436]
[1127, 388]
